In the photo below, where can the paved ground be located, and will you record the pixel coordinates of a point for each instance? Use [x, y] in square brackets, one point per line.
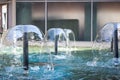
[83, 43]
[48, 43]
[76, 43]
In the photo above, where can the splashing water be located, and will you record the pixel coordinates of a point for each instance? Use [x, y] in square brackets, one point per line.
[103, 42]
[12, 46]
[65, 36]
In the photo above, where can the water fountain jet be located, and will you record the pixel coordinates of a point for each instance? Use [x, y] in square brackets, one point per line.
[56, 34]
[108, 38]
[21, 32]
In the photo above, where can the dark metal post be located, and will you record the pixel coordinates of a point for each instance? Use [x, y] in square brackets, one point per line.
[112, 45]
[25, 51]
[116, 43]
[56, 44]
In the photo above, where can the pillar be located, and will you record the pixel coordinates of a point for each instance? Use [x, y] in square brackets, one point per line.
[13, 12]
[23, 13]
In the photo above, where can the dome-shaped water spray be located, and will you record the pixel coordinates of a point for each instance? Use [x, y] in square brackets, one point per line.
[58, 35]
[19, 35]
[70, 36]
[107, 41]
[18, 31]
[55, 35]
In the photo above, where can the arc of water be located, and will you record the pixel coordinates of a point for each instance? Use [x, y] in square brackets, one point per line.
[68, 32]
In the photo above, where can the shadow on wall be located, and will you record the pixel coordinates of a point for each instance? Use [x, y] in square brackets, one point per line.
[72, 24]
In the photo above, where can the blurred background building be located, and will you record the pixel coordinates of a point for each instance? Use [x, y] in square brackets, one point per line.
[84, 17]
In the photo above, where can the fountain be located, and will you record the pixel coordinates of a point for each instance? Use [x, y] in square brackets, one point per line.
[56, 34]
[107, 42]
[70, 37]
[59, 35]
[17, 39]
[43, 65]
[20, 31]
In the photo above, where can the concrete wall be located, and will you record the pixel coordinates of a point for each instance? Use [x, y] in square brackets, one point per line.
[62, 10]
[38, 10]
[68, 11]
[107, 12]
[11, 13]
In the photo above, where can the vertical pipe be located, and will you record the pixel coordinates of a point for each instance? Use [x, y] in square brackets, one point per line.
[46, 16]
[56, 44]
[111, 45]
[25, 51]
[13, 12]
[116, 43]
[91, 20]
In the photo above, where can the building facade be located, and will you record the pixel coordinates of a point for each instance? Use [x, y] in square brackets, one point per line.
[84, 17]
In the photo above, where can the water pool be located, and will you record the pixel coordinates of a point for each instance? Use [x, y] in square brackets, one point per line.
[79, 65]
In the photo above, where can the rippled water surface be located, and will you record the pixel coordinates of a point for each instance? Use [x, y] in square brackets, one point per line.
[80, 65]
